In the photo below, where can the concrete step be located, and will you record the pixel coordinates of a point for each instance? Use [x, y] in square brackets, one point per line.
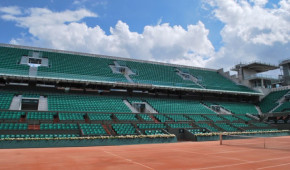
[153, 118]
[33, 127]
[42, 104]
[106, 129]
[128, 78]
[259, 110]
[109, 127]
[210, 108]
[33, 71]
[16, 103]
[149, 108]
[133, 110]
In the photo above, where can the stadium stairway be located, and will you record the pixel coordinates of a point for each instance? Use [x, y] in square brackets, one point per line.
[154, 119]
[112, 132]
[210, 108]
[42, 104]
[130, 106]
[87, 120]
[222, 110]
[22, 119]
[15, 103]
[150, 108]
[107, 130]
[280, 101]
[128, 78]
[33, 127]
[56, 120]
[252, 116]
[272, 110]
[259, 110]
[191, 78]
[33, 71]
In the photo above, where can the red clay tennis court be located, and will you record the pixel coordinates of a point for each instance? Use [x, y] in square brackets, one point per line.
[182, 155]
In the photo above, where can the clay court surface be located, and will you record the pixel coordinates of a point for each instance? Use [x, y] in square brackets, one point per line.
[182, 155]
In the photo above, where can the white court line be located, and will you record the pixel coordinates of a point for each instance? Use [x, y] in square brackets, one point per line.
[242, 143]
[248, 162]
[274, 166]
[129, 160]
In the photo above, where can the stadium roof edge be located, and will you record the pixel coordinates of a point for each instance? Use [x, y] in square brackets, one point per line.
[101, 56]
[256, 65]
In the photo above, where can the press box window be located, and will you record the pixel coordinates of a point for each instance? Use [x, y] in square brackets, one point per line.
[34, 61]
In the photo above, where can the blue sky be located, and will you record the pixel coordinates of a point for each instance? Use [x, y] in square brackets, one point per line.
[137, 14]
[203, 33]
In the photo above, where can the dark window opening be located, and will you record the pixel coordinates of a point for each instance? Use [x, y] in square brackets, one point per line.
[141, 107]
[121, 69]
[34, 61]
[29, 104]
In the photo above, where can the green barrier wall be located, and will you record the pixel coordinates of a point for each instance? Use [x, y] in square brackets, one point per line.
[44, 143]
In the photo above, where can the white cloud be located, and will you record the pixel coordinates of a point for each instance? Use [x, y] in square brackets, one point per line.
[42, 17]
[253, 23]
[251, 31]
[162, 42]
[12, 10]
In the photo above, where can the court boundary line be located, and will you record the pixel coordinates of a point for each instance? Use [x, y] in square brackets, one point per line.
[212, 155]
[266, 167]
[248, 162]
[129, 160]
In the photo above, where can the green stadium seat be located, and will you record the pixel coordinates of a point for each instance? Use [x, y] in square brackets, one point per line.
[124, 129]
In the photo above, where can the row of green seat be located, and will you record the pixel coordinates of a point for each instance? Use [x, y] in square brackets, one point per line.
[95, 103]
[178, 106]
[156, 74]
[285, 107]
[197, 118]
[126, 117]
[13, 126]
[10, 58]
[39, 136]
[154, 132]
[40, 116]
[239, 108]
[207, 126]
[71, 116]
[73, 66]
[196, 131]
[124, 129]
[151, 126]
[58, 126]
[93, 129]
[97, 68]
[177, 118]
[145, 117]
[271, 100]
[214, 118]
[240, 125]
[213, 80]
[226, 127]
[5, 99]
[99, 116]
[179, 125]
[11, 115]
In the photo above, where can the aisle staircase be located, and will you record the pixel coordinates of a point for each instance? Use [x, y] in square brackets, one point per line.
[16, 103]
[42, 104]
